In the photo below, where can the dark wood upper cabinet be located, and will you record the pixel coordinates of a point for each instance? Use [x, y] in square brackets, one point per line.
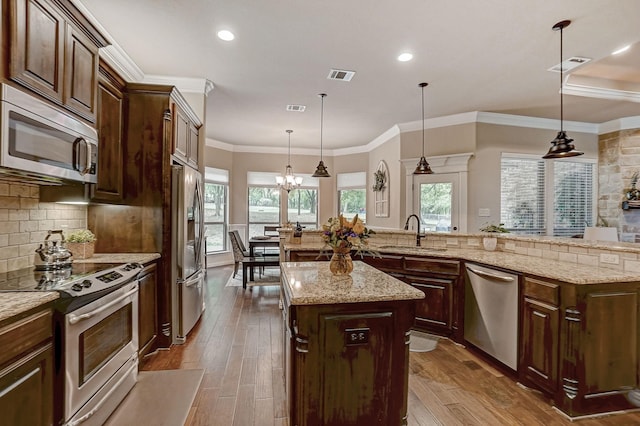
[54, 53]
[110, 124]
[185, 138]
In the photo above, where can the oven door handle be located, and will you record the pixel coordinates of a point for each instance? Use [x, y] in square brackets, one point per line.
[106, 397]
[73, 319]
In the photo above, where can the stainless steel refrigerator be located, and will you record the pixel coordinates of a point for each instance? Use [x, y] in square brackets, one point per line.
[187, 251]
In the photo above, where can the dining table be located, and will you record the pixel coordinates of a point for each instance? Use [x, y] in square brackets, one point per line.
[261, 241]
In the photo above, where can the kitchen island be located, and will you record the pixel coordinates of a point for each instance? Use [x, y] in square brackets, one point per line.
[346, 344]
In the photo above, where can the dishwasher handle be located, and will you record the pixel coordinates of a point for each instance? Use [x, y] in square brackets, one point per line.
[490, 276]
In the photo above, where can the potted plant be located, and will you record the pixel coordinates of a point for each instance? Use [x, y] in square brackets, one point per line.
[81, 243]
[490, 242]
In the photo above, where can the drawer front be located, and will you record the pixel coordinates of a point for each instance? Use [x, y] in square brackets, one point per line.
[383, 262]
[430, 265]
[542, 290]
[24, 334]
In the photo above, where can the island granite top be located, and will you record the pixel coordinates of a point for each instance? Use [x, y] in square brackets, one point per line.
[312, 283]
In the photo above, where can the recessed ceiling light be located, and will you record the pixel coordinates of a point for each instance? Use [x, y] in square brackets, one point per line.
[404, 57]
[621, 50]
[226, 35]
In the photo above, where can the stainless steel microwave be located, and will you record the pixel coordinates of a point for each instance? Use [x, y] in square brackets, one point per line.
[39, 140]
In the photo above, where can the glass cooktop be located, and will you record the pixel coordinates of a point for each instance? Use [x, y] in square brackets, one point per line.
[29, 279]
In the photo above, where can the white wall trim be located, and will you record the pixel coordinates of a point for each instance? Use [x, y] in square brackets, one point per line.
[625, 123]
[184, 84]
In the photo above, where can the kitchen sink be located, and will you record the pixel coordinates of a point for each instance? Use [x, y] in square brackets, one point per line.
[416, 248]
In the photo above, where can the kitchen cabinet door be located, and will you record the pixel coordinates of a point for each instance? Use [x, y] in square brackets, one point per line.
[434, 313]
[540, 333]
[193, 157]
[54, 54]
[37, 41]
[181, 134]
[540, 330]
[109, 187]
[26, 371]
[81, 74]
[147, 310]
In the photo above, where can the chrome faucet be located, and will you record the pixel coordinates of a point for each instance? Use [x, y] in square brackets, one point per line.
[418, 235]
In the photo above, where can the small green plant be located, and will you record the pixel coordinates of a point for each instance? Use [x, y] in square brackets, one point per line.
[490, 227]
[81, 236]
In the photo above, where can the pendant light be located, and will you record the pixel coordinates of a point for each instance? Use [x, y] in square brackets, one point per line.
[321, 170]
[423, 167]
[288, 181]
[562, 146]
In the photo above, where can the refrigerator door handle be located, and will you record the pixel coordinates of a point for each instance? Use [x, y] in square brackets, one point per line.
[195, 279]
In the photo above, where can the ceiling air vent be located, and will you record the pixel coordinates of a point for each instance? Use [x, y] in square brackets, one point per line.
[296, 108]
[569, 64]
[341, 75]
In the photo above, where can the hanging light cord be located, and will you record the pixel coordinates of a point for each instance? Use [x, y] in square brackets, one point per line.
[322, 95]
[289, 159]
[561, 94]
[422, 86]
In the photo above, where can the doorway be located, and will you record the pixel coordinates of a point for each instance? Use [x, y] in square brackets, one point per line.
[435, 197]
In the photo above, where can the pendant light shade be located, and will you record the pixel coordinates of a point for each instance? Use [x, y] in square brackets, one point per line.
[562, 146]
[289, 181]
[321, 170]
[423, 167]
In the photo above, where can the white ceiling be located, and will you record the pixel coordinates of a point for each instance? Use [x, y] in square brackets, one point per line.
[489, 55]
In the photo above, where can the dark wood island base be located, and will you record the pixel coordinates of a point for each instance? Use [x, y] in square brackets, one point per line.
[346, 345]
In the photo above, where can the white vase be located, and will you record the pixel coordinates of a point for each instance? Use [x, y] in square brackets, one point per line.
[489, 243]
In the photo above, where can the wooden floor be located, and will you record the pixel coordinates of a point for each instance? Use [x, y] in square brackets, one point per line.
[238, 342]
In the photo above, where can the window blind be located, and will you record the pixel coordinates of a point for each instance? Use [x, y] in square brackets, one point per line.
[573, 197]
[522, 203]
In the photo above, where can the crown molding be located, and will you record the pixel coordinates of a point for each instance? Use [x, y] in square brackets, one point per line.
[625, 123]
[184, 84]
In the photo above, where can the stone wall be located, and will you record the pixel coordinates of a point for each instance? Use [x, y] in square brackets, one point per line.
[24, 222]
[618, 160]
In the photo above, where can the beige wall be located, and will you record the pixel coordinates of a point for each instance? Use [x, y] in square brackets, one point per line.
[441, 141]
[389, 152]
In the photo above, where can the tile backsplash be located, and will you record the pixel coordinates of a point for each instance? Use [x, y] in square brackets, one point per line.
[24, 222]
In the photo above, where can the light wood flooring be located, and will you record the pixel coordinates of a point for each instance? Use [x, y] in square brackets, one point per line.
[238, 342]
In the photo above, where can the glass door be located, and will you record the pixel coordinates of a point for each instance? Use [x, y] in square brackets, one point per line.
[435, 198]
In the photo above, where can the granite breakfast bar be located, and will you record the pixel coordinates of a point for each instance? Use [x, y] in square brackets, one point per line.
[346, 344]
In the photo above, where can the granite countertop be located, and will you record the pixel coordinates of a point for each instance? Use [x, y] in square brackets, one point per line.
[312, 283]
[120, 258]
[553, 269]
[14, 303]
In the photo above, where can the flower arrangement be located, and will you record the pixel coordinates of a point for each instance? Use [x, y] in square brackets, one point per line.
[81, 236]
[340, 233]
[490, 227]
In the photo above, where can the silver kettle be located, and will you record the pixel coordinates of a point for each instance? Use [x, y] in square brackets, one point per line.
[53, 254]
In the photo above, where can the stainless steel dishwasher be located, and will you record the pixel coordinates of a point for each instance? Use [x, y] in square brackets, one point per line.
[491, 312]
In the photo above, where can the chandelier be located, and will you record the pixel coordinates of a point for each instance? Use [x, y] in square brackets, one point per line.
[288, 181]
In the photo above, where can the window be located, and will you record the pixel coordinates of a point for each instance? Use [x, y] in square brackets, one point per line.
[352, 195]
[264, 201]
[554, 197]
[302, 203]
[216, 189]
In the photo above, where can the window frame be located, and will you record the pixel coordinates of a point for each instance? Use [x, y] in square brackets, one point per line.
[549, 187]
[225, 222]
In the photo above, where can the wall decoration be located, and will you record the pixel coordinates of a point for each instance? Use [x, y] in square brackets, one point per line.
[381, 190]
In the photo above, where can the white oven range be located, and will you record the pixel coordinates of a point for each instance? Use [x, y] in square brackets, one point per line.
[96, 337]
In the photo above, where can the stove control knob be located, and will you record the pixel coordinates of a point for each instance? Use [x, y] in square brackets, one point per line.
[77, 287]
[86, 283]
